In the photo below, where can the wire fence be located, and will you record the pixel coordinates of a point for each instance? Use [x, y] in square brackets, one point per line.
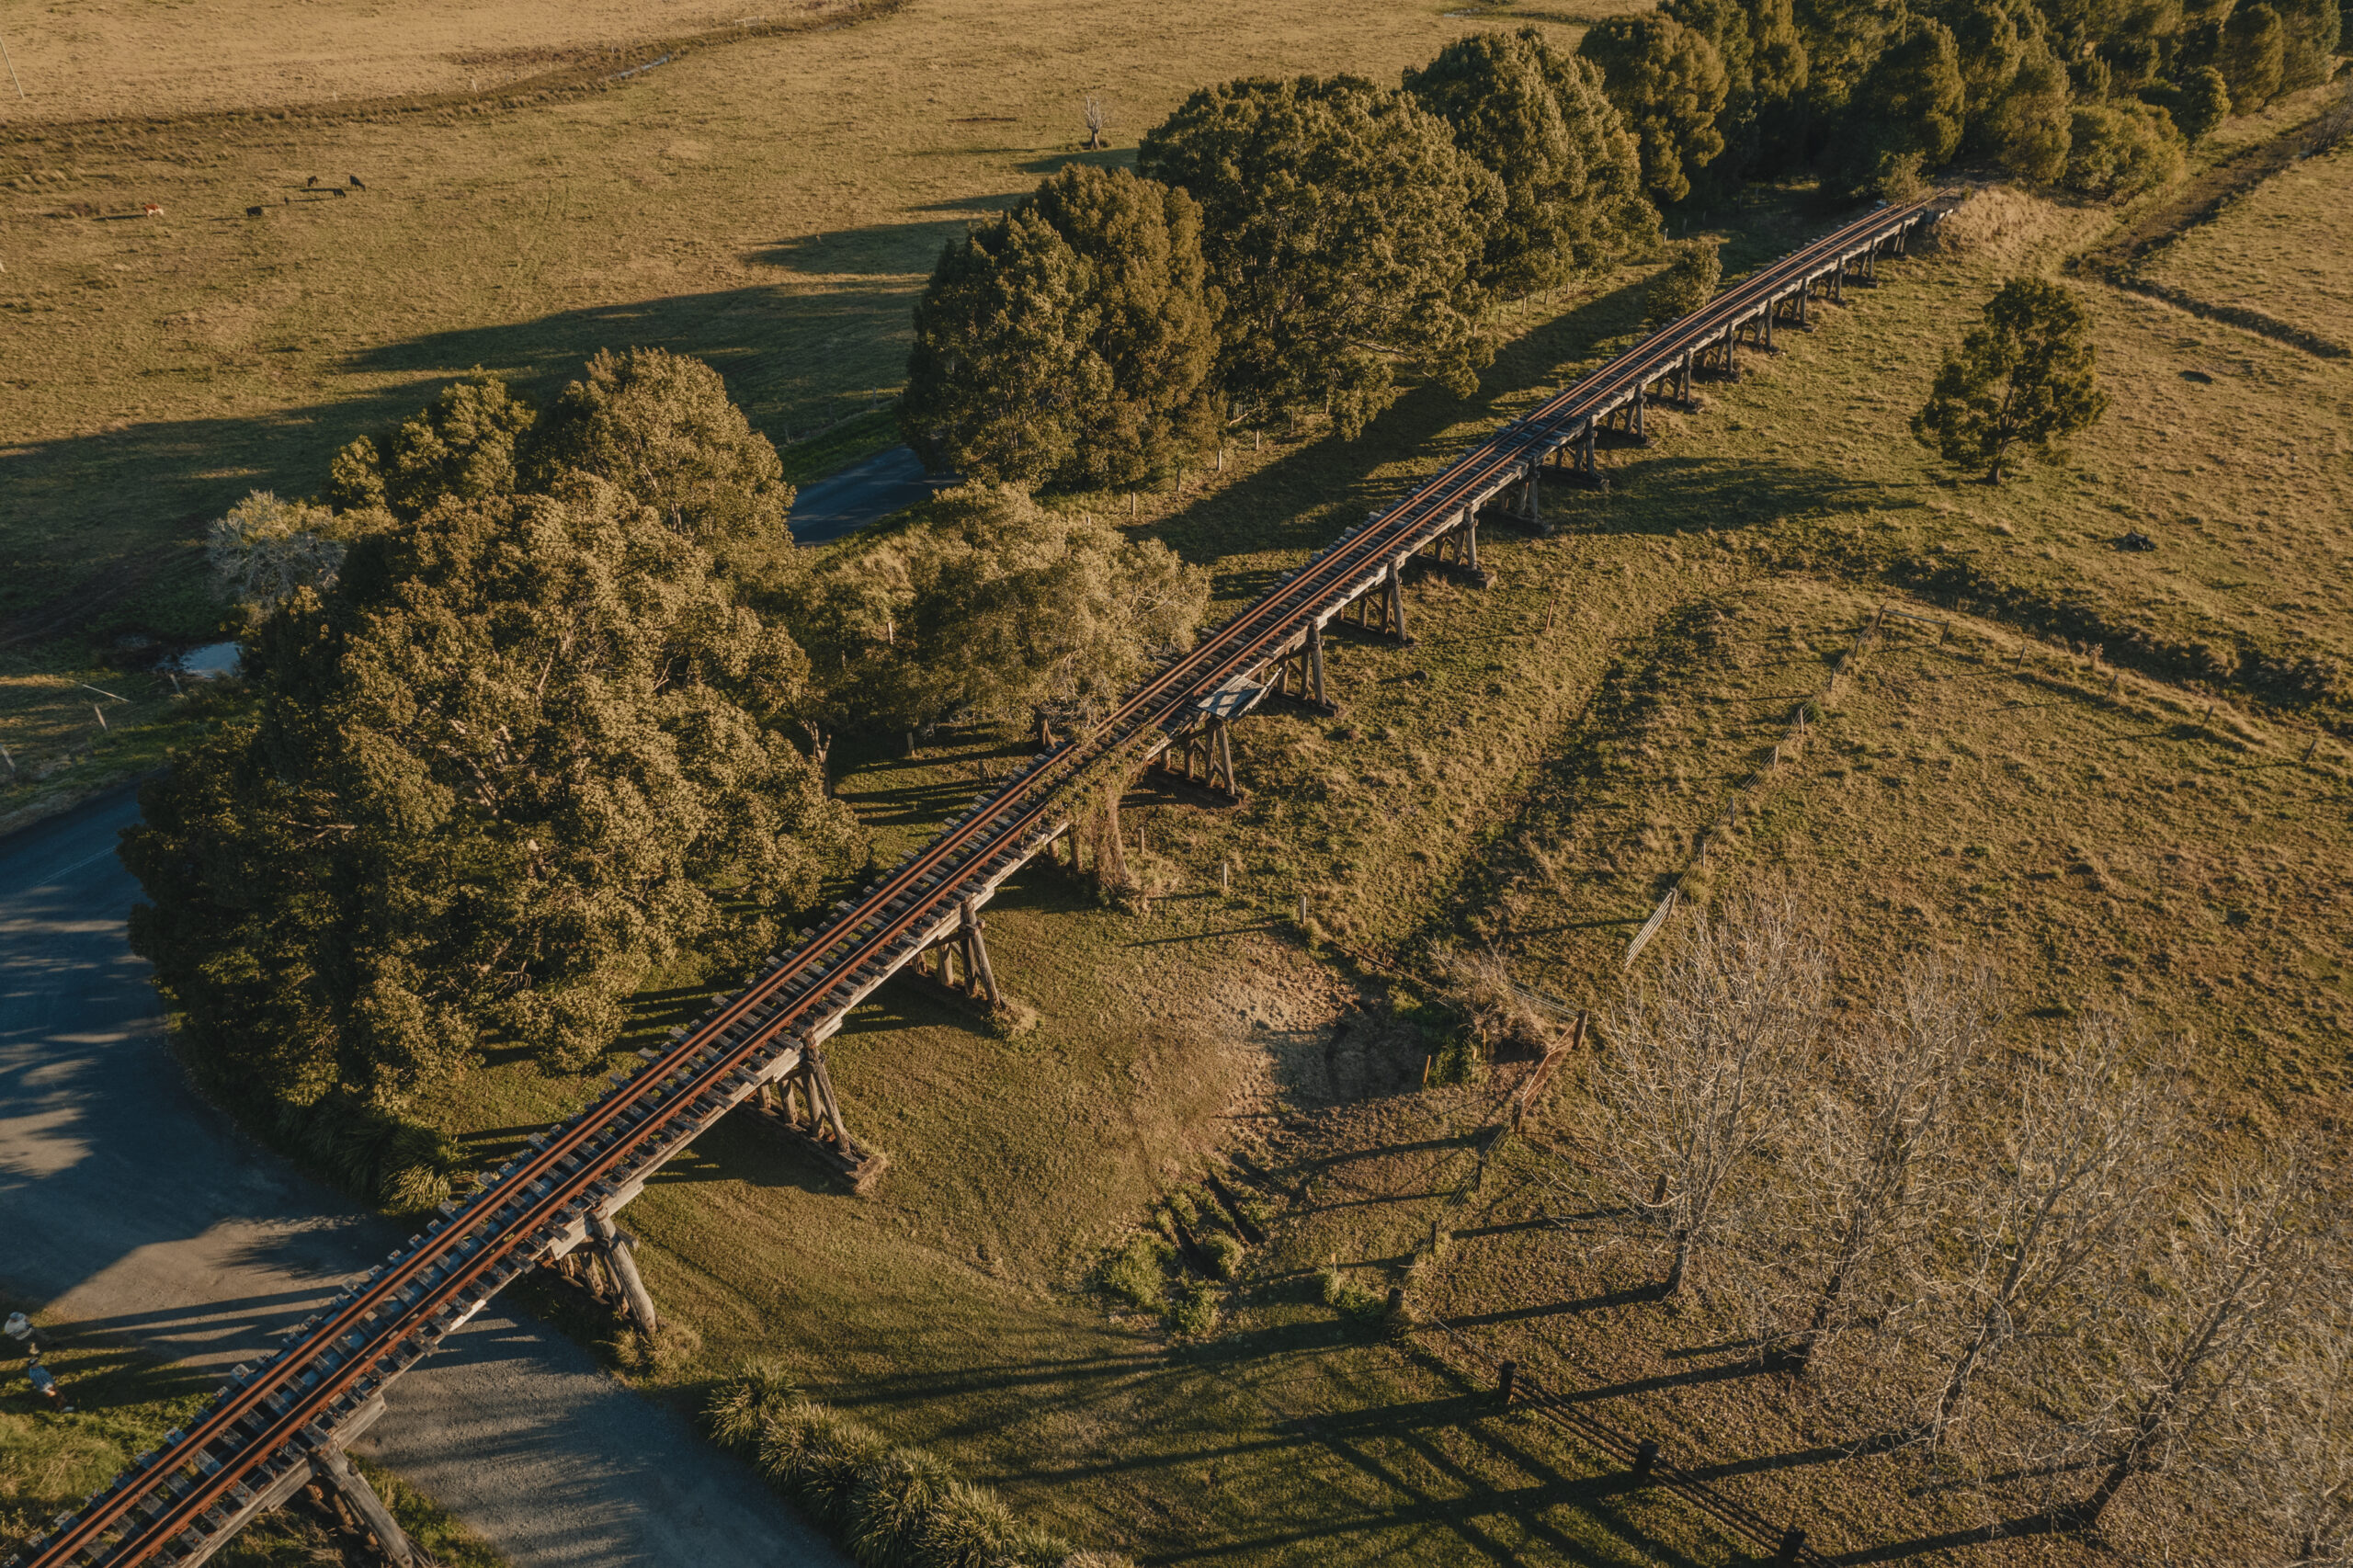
[1793, 740]
[1645, 1463]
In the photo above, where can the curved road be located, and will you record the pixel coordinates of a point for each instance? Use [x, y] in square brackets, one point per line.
[128, 1206]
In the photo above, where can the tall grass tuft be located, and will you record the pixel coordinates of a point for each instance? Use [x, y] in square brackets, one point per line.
[893, 1500]
[892, 1507]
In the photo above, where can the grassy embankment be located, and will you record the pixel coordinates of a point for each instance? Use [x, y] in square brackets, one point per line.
[124, 1401]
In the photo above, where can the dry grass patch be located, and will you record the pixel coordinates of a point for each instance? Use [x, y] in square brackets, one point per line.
[2281, 250]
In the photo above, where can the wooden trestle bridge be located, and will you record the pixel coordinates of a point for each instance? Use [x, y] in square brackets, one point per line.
[276, 1427]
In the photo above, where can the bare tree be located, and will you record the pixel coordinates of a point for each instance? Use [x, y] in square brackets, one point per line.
[2039, 1235]
[1703, 1065]
[1097, 119]
[2241, 1264]
[1879, 1128]
[2292, 1466]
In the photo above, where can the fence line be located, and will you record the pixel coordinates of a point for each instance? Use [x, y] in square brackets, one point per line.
[1519, 1391]
[1792, 739]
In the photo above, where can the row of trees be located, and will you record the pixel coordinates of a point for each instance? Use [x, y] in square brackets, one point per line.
[1291, 244]
[2016, 1245]
[544, 699]
[1283, 245]
[2094, 98]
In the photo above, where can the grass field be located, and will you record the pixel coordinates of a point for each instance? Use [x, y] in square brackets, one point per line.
[84, 60]
[2281, 251]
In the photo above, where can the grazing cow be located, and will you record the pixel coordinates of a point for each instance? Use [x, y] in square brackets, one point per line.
[313, 184]
[149, 209]
[253, 211]
[358, 184]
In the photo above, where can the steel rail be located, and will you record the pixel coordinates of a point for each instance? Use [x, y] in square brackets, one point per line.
[451, 1270]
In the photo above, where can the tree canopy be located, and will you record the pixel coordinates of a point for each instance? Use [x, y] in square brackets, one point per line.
[1912, 98]
[520, 748]
[661, 427]
[1344, 229]
[1571, 173]
[1767, 69]
[2023, 377]
[463, 444]
[993, 606]
[2121, 149]
[1072, 341]
[1669, 83]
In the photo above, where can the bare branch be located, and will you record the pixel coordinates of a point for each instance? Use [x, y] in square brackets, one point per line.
[2045, 1231]
[1704, 1060]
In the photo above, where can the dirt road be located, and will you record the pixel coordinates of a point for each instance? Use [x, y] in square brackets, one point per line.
[129, 1206]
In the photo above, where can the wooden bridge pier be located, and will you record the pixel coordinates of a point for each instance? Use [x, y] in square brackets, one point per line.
[333, 1471]
[613, 1247]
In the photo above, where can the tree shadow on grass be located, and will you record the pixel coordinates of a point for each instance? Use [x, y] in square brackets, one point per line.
[1690, 494]
[1403, 1454]
[83, 509]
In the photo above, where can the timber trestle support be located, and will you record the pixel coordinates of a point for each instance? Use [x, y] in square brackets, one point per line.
[802, 1104]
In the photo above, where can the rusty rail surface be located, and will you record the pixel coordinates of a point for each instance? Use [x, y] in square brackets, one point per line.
[253, 1445]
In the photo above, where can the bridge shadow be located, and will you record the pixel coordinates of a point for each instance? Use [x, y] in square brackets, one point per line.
[1300, 501]
[1687, 494]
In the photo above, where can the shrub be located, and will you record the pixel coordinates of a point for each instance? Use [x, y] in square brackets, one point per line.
[968, 1527]
[1225, 1254]
[736, 1411]
[2120, 150]
[1345, 1296]
[1689, 282]
[1192, 1308]
[1137, 1272]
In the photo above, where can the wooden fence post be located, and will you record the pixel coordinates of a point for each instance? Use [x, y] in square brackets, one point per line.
[1646, 1456]
[1507, 1380]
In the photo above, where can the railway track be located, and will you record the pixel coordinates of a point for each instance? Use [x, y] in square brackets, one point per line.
[272, 1426]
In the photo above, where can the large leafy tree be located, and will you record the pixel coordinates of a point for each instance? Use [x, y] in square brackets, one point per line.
[1572, 176]
[2030, 125]
[1669, 83]
[2311, 33]
[2121, 149]
[990, 606]
[1345, 228]
[2252, 58]
[662, 428]
[522, 748]
[1766, 72]
[1912, 102]
[2024, 379]
[1071, 341]
[463, 444]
